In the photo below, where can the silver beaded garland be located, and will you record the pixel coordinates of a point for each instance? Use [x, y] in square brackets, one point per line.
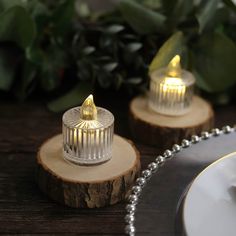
[130, 208]
[133, 198]
[153, 167]
[185, 143]
[146, 173]
[129, 218]
[205, 135]
[226, 129]
[160, 160]
[195, 139]
[176, 148]
[167, 154]
[130, 230]
[141, 181]
[215, 132]
[136, 190]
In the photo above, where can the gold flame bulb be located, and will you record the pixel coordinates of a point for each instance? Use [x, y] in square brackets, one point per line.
[88, 109]
[174, 67]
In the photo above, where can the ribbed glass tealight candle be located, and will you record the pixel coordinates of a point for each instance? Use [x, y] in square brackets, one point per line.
[88, 134]
[171, 89]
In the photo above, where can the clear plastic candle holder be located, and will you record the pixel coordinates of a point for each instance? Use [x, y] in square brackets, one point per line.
[171, 90]
[87, 141]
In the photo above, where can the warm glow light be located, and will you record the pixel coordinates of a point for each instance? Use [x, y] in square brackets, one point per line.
[88, 109]
[88, 115]
[88, 120]
[174, 67]
[171, 89]
[172, 85]
[87, 133]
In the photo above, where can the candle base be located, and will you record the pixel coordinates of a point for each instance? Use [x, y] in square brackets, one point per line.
[83, 161]
[87, 186]
[162, 131]
[169, 112]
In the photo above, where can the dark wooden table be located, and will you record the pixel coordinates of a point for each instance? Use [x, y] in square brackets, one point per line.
[23, 208]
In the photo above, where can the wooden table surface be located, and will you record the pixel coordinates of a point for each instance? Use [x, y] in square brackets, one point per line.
[23, 208]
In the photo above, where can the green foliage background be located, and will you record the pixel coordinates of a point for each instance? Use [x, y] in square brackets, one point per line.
[49, 48]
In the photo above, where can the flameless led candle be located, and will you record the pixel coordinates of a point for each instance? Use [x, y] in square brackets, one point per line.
[171, 89]
[87, 133]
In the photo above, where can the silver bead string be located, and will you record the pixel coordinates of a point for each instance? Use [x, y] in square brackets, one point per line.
[155, 165]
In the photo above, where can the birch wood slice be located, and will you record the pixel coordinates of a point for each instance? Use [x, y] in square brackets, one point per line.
[163, 131]
[87, 186]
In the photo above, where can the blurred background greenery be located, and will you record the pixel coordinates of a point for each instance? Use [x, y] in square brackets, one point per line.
[62, 50]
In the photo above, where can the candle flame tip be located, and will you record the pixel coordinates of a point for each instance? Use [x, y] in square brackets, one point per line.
[90, 96]
[175, 61]
[88, 109]
[174, 67]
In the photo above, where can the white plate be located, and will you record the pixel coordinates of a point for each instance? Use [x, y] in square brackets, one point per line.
[210, 205]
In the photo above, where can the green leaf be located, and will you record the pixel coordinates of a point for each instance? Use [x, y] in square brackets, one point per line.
[206, 12]
[52, 68]
[34, 54]
[83, 9]
[88, 50]
[104, 79]
[109, 67]
[141, 19]
[6, 4]
[7, 71]
[230, 4]
[63, 16]
[114, 29]
[201, 82]
[168, 6]
[153, 4]
[133, 47]
[174, 45]
[105, 42]
[118, 81]
[219, 99]
[133, 80]
[214, 62]
[221, 15]
[177, 10]
[28, 76]
[129, 36]
[182, 9]
[16, 25]
[73, 98]
[37, 9]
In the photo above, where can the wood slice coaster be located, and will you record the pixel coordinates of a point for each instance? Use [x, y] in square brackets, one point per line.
[163, 131]
[87, 186]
